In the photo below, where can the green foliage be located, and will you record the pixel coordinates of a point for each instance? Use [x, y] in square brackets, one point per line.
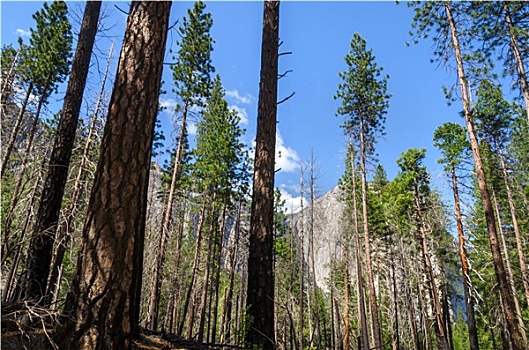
[220, 157]
[364, 96]
[48, 56]
[494, 115]
[451, 139]
[192, 70]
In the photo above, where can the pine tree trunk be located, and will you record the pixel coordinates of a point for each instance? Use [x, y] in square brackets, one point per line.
[516, 227]
[18, 187]
[228, 300]
[377, 332]
[499, 269]
[515, 48]
[67, 226]
[359, 270]
[51, 198]
[317, 317]
[189, 304]
[103, 306]
[14, 132]
[440, 331]
[467, 285]
[11, 282]
[509, 273]
[302, 264]
[260, 294]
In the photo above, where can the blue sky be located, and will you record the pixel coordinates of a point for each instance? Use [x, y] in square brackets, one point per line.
[318, 34]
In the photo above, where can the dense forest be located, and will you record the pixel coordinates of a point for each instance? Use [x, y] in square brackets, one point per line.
[104, 247]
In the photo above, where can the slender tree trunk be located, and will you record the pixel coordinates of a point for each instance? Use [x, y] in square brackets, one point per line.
[409, 301]
[440, 331]
[346, 296]
[499, 269]
[515, 48]
[11, 283]
[517, 233]
[375, 322]
[467, 285]
[312, 254]
[228, 300]
[189, 304]
[14, 132]
[260, 297]
[51, 198]
[66, 228]
[510, 273]
[18, 187]
[359, 270]
[103, 305]
[302, 262]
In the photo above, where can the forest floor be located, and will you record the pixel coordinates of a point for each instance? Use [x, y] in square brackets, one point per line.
[32, 328]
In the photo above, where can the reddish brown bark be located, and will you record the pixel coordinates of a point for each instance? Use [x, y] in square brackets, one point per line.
[104, 301]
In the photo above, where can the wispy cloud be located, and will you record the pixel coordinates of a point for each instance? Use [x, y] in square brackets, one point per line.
[23, 33]
[287, 159]
[168, 103]
[243, 114]
[292, 203]
[234, 94]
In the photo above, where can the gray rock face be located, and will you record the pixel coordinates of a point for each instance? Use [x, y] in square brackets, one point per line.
[325, 232]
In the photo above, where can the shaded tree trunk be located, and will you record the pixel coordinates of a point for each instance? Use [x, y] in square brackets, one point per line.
[377, 332]
[499, 268]
[43, 238]
[467, 285]
[103, 305]
[14, 133]
[66, 227]
[260, 294]
[522, 76]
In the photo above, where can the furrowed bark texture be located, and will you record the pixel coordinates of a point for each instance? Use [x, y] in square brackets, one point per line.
[104, 301]
[260, 294]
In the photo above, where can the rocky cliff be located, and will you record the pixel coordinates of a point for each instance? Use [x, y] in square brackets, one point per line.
[325, 232]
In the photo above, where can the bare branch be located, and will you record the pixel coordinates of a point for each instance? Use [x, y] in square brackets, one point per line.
[284, 74]
[286, 98]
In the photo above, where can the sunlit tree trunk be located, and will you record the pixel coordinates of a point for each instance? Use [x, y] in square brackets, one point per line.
[103, 307]
[260, 297]
[499, 268]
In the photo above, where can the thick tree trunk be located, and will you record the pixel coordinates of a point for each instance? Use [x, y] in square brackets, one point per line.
[43, 238]
[499, 269]
[467, 285]
[260, 294]
[104, 303]
[66, 228]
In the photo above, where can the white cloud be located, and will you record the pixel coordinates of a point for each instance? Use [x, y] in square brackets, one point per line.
[292, 203]
[287, 159]
[23, 33]
[191, 128]
[243, 114]
[168, 103]
[247, 98]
